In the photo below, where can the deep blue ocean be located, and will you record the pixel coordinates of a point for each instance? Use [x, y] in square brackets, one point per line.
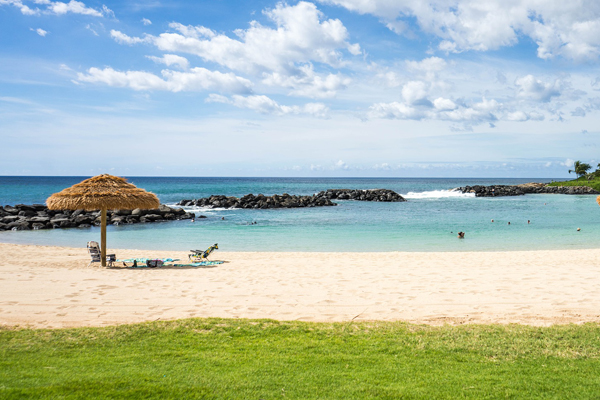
[428, 221]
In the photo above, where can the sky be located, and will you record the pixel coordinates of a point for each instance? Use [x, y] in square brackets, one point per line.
[328, 88]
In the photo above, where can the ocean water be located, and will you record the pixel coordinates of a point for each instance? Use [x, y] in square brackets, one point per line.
[428, 221]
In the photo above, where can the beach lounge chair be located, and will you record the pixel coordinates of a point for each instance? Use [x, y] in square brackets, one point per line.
[96, 254]
[200, 255]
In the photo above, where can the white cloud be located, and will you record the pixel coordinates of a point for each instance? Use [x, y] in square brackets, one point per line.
[25, 10]
[40, 31]
[89, 27]
[340, 165]
[395, 110]
[415, 92]
[75, 7]
[58, 8]
[444, 104]
[307, 83]
[484, 111]
[431, 64]
[382, 166]
[568, 29]
[283, 55]
[146, 21]
[122, 38]
[517, 116]
[531, 88]
[266, 105]
[197, 79]
[171, 59]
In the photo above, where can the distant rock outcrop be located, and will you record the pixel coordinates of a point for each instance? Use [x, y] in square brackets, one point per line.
[526, 188]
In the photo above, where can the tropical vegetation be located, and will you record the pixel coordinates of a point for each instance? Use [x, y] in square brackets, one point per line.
[584, 178]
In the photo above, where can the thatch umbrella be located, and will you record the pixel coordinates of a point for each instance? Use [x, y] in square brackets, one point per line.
[103, 192]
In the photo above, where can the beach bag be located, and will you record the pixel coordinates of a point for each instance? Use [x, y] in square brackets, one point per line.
[154, 263]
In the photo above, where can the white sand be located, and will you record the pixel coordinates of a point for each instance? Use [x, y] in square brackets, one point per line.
[52, 287]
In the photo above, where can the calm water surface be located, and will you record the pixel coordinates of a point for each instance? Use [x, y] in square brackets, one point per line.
[428, 221]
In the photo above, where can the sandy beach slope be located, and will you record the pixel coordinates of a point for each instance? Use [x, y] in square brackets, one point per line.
[52, 287]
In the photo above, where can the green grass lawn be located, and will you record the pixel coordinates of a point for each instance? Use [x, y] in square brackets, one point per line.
[264, 359]
[593, 183]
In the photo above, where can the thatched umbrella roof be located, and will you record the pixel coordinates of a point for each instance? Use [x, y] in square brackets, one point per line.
[102, 192]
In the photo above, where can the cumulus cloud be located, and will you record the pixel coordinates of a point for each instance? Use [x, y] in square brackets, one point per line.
[431, 64]
[266, 105]
[442, 109]
[443, 104]
[415, 92]
[340, 165]
[568, 29]
[196, 79]
[57, 8]
[307, 83]
[300, 36]
[531, 88]
[282, 55]
[171, 59]
[146, 21]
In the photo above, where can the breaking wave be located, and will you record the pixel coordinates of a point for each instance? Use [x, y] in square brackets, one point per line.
[436, 194]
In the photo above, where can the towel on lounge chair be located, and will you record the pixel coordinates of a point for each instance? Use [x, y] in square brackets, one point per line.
[201, 255]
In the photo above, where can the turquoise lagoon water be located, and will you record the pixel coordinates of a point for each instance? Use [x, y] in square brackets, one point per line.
[428, 221]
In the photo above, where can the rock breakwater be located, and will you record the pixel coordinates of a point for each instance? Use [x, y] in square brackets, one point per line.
[362, 195]
[321, 199]
[38, 216]
[526, 188]
[259, 202]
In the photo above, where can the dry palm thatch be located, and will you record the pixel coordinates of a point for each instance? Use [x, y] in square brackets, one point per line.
[102, 192]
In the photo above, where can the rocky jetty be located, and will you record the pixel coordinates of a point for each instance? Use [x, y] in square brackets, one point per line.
[321, 199]
[526, 188]
[38, 216]
[259, 202]
[362, 195]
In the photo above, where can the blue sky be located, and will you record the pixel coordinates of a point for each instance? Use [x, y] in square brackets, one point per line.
[444, 88]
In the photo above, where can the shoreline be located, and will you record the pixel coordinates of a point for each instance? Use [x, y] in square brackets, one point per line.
[52, 287]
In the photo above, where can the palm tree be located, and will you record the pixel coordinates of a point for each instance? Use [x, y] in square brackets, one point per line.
[580, 168]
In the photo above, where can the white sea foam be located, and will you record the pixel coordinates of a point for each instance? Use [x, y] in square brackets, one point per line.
[436, 194]
[207, 210]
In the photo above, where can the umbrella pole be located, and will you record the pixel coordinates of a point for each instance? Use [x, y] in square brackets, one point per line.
[103, 237]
